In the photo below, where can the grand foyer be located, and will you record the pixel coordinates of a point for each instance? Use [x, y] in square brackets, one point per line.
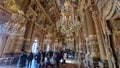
[91, 28]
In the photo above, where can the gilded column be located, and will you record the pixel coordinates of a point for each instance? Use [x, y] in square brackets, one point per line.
[83, 26]
[28, 35]
[31, 15]
[92, 35]
[97, 21]
[98, 31]
[92, 43]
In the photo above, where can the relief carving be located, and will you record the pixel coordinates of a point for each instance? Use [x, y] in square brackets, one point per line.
[115, 25]
[11, 5]
[94, 46]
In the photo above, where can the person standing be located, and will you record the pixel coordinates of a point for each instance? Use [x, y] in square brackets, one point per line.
[58, 58]
[38, 58]
[22, 60]
[30, 57]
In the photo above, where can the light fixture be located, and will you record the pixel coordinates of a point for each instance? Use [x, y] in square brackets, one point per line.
[68, 21]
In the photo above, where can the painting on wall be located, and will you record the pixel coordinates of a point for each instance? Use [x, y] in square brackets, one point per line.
[4, 16]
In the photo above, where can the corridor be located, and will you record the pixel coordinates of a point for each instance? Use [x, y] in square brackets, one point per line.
[43, 33]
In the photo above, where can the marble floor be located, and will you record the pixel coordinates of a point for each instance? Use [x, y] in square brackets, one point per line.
[61, 66]
[69, 64]
[8, 66]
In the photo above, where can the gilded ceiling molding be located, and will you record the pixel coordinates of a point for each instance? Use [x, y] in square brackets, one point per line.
[11, 6]
[31, 13]
[40, 7]
[115, 15]
[1, 7]
[42, 29]
[118, 7]
[109, 9]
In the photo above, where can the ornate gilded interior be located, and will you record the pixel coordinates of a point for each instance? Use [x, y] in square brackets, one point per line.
[89, 27]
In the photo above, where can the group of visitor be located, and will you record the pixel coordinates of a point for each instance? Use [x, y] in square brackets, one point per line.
[41, 59]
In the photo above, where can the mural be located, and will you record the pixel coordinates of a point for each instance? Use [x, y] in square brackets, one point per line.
[4, 17]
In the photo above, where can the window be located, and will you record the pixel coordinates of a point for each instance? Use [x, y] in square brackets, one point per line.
[35, 46]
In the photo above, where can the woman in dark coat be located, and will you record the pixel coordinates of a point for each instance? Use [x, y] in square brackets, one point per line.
[22, 60]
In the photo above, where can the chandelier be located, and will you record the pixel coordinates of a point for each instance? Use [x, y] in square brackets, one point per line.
[68, 20]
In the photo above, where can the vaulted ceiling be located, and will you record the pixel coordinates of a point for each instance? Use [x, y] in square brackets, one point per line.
[47, 12]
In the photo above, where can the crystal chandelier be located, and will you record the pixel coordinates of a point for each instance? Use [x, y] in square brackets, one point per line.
[68, 21]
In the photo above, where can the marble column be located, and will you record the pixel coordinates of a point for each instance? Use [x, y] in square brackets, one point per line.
[92, 43]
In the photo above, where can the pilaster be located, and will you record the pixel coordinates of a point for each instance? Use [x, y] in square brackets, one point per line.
[99, 33]
[91, 41]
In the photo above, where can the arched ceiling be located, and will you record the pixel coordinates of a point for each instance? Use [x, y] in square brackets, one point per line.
[47, 12]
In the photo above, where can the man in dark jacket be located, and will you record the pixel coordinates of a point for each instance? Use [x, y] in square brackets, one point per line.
[51, 53]
[38, 58]
[30, 57]
[58, 58]
[43, 54]
[22, 60]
